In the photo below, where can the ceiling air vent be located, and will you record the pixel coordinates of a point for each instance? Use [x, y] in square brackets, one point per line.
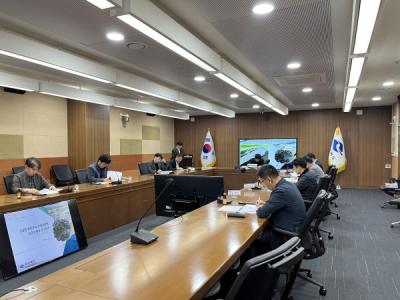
[300, 79]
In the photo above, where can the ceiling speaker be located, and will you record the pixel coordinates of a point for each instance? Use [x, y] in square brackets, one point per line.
[14, 91]
[150, 115]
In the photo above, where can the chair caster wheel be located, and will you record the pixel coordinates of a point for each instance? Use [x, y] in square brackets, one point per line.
[338, 217]
[330, 237]
[322, 291]
[391, 226]
[309, 275]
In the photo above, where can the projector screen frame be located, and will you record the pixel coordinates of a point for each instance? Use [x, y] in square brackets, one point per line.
[266, 138]
[7, 261]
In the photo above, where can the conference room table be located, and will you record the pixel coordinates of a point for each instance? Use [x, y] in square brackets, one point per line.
[191, 254]
[105, 207]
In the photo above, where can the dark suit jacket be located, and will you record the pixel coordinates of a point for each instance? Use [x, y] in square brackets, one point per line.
[307, 185]
[253, 161]
[96, 174]
[285, 207]
[175, 152]
[151, 167]
[172, 165]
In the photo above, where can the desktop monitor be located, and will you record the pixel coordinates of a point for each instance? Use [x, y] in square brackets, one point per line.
[35, 236]
[279, 152]
[187, 192]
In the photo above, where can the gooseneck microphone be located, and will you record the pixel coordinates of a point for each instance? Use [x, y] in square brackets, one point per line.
[141, 236]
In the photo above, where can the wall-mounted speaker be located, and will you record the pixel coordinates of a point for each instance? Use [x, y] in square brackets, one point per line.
[14, 91]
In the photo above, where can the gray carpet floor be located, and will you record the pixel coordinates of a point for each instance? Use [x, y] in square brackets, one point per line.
[361, 262]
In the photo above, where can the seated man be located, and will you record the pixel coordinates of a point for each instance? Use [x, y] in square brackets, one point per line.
[175, 163]
[97, 171]
[30, 181]
[157, 165]
[306, 183]
[285, 208]
[316, 161]
[313, 168]
[177, 150]
[256, 160]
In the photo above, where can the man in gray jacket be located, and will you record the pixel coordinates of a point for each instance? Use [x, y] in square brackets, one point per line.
[307, 182]
[30, 181]
[313, 168]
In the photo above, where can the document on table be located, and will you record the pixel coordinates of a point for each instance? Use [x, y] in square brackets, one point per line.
[233, 192]
[114, 175]
[47, 192]
[248, 208]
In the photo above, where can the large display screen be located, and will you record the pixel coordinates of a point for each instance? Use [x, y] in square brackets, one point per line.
[38, 235]
[279, 152]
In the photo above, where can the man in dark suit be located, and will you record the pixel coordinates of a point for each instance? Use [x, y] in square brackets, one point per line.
[97, 171]
[257, 159]
[307, 183]
[175, 163]
[178, 150]
[157, 165]
[285, 208]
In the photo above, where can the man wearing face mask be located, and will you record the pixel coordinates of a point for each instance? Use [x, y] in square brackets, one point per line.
[30, 181]
[285, 208]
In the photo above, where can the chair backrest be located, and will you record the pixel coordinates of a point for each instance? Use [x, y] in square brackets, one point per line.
[332, 172]
[309, 233]
[17, 170]
[8, 181]
[259, 275]
[323, 184]
[63, 175]
[312, 213]
[144, 168]
[82, 175]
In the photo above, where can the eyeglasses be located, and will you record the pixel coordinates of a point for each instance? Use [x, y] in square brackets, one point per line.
[261, 180]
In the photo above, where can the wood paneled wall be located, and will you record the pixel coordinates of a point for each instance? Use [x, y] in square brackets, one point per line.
[88, 132]
[366, 137]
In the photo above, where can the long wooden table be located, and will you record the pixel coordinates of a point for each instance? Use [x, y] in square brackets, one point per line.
[189, 257]
[105, 207]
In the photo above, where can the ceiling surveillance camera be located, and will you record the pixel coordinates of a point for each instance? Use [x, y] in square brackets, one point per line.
[124, 119]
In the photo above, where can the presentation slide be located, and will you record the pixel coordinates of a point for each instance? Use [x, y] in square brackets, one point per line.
[41, 234]
[280, 152]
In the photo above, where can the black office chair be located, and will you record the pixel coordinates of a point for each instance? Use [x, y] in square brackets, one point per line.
[63, 175]
[259, 276]
[81, 175]
[17, 170]
[144, 168]
[310, 236]
[8, 181]
[332, 171]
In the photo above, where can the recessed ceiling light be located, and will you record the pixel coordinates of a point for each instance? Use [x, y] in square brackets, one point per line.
[315, 104]
[376, 98]
[255, 106]
[263, 8]
[234, 95]
[307, 90]
[199, 78]
[293, 65]
[115, 36]
[388, 83]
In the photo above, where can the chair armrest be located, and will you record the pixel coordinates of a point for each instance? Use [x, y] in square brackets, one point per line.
[285, 232]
